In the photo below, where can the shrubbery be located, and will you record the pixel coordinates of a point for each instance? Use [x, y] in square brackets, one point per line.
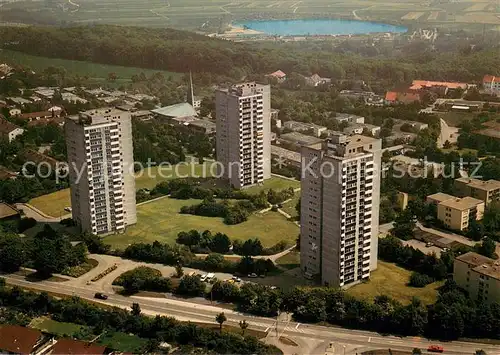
[143, 278]
[420, 280]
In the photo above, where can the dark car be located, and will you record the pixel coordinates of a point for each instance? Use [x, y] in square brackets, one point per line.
[101, 296]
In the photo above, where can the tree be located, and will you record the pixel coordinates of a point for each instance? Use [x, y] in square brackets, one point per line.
[487, 247]
[136, 309]
[220, 318]
[491, 218]
[51, 252]
[179, 271]
[475, 231]
[404, 225]
[12, 253]
[297, 208]
[416, 351]
[243, 326]
[2, 282]
[191, 286]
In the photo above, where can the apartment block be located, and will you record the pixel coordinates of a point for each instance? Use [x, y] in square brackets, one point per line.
[455, 212]
[244, 133]
[479, 275]
[487, 191]
[100, 155]
[340, 194]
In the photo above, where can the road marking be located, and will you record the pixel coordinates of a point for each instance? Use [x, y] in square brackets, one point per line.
[369, 339]
[297, 326]
[267, 329]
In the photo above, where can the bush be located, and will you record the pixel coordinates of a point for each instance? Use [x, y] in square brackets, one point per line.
[143, 278]
[420, 280]
[25, 224]
[191, 286]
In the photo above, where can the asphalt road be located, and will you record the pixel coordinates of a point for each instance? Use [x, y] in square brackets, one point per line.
[202, 313]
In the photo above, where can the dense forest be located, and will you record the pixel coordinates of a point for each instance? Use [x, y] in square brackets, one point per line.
[180, 51]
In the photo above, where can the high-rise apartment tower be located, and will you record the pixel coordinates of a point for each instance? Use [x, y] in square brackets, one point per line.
[244, 133]
[100, 155]
[340, 193]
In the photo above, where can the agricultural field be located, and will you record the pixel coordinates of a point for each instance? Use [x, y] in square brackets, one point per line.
[95, 73]
[160, 220]
[391, 280]
[207, 15]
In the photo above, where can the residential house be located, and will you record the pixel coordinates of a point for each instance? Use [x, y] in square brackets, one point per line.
[285, 156]
[47, 121]
[143, 115]
[18, 101]
[349, 118]
[455, 212]
[404, 97]
[491, 84]
[74, 99]
[426, 84]
[487, 191]
[15, 339]
[314, 129]
[9, 131]
[479, 276]
[98, 92]
[278, 75]
[362, 128]
[316, 80]
[141, 97]
[274, 113]
[31, 116]
[8, 212]
[14, 112]
[6, 174]
[56, 111]
[39, 158]
[77, 347]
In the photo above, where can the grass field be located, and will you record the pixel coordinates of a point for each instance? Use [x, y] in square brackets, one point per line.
[289, 261]
[390, 279]
[61, 329]
[123, 342]
[94, 72]
[289, 207]
[53, 204]
[160, 220]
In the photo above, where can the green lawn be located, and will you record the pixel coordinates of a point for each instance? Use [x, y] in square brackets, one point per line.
[290, 260]
[53, 204]
[61, 329]
[95, 72]
[160, 220]
[276, 183]
[391, 280]
[123, 342]
[289, 207]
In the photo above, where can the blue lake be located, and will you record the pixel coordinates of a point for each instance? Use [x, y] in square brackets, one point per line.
[318, 27]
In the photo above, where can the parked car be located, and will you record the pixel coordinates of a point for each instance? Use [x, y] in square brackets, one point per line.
[203, 277]
[236, 279]
[435, 349]
[101, 296]
[429, 244]
[253, 275]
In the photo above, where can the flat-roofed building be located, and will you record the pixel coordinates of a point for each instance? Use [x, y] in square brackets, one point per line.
[314, 129]
[340, 196]
[487, 191]
[285, 156]
[455, 212]
[100, 156]
[478, 275]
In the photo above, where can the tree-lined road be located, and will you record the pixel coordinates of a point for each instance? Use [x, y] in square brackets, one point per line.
[185, 311]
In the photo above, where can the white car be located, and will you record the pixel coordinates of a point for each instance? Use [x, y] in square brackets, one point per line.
[203, 277]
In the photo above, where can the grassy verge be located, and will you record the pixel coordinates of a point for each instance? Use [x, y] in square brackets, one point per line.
[53, 204]
[275, 183]
[232, 329]
[82, 269]
[160, 220]
[391, 280]
[123, 342]
[290, 260]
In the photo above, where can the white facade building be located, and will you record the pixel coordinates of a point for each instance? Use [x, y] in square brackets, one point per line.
[100, 155]
[340, 193]
[244, 133]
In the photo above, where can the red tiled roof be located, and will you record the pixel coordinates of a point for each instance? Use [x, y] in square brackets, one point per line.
[46, 121]
[69, 346]
[31, 115]
[17, 339]
[490, 78]
[6, 126]
[278, 74]
[391, 96]
[419, 84]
